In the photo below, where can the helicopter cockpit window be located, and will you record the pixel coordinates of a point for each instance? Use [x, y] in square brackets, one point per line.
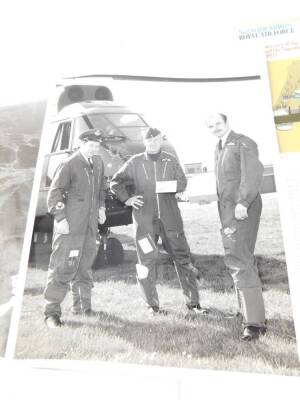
[62, 138]
[131, 125]
[117, 126]
[112, 133]
[123, 120]
[134, 133]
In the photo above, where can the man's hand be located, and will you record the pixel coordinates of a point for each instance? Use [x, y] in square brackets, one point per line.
[240, 212]
[135, 202]
[102, 215]
[62, 227]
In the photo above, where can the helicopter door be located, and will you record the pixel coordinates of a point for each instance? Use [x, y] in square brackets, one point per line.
[61, 149]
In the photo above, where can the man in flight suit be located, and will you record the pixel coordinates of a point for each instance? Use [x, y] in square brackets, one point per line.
[76, 199]
[156, 213]
[239, 175]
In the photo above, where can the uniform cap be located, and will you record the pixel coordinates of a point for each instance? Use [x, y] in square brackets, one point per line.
[151, 133]
[94, 135]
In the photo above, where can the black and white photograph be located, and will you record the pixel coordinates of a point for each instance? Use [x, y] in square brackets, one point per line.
[157, 236]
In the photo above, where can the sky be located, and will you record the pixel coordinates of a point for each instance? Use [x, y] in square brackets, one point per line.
[180, 109]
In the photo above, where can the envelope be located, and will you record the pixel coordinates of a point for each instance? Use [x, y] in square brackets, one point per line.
[166, 187]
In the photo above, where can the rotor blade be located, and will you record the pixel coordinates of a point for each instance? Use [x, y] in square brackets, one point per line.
[168, 79]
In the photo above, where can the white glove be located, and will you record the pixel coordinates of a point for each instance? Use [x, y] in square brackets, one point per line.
[102, 216]
[62, 227]
[240, 212]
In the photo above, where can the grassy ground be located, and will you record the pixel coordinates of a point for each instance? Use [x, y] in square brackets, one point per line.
[124, 332]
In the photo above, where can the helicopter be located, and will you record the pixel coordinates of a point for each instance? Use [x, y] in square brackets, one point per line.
[81, 107]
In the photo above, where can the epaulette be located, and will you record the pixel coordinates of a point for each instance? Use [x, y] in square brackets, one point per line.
[247, 142]
[170, 156]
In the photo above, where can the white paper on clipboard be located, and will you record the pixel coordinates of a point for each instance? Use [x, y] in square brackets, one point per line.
[166, 187]
[145, 245]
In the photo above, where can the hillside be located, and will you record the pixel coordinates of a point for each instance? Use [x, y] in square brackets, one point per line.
[20, 129]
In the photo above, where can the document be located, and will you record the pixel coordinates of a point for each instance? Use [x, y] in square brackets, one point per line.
[166, 187]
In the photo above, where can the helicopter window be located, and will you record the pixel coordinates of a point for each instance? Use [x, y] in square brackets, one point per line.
[62, 138]
[123, 120]
[132, 126]
[99, 121]
[134, 133]
[112, 133]
[119, 126]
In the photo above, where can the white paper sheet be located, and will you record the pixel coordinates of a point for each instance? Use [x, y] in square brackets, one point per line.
[166, 187]
[145, 245]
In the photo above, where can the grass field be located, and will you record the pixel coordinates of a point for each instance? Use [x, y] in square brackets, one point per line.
[124, 332]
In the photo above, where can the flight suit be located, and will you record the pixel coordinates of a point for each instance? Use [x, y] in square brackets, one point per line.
[239, 175]
[159, 216]
[76, 193]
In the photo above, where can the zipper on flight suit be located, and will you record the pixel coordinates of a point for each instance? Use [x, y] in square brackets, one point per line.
[145, 172]
[93, 189]
[87, 174]
[165, 168]
[92, 183]
[157, 197]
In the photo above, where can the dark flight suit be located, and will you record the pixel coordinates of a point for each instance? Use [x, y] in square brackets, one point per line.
[76, 193]
[239, 175]
[159, 216]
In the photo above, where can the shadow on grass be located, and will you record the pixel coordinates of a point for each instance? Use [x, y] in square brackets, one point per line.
[204, 337]
[273, 273]
[213, 273]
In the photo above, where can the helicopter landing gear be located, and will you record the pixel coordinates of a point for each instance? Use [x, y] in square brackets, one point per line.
[110, 250]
